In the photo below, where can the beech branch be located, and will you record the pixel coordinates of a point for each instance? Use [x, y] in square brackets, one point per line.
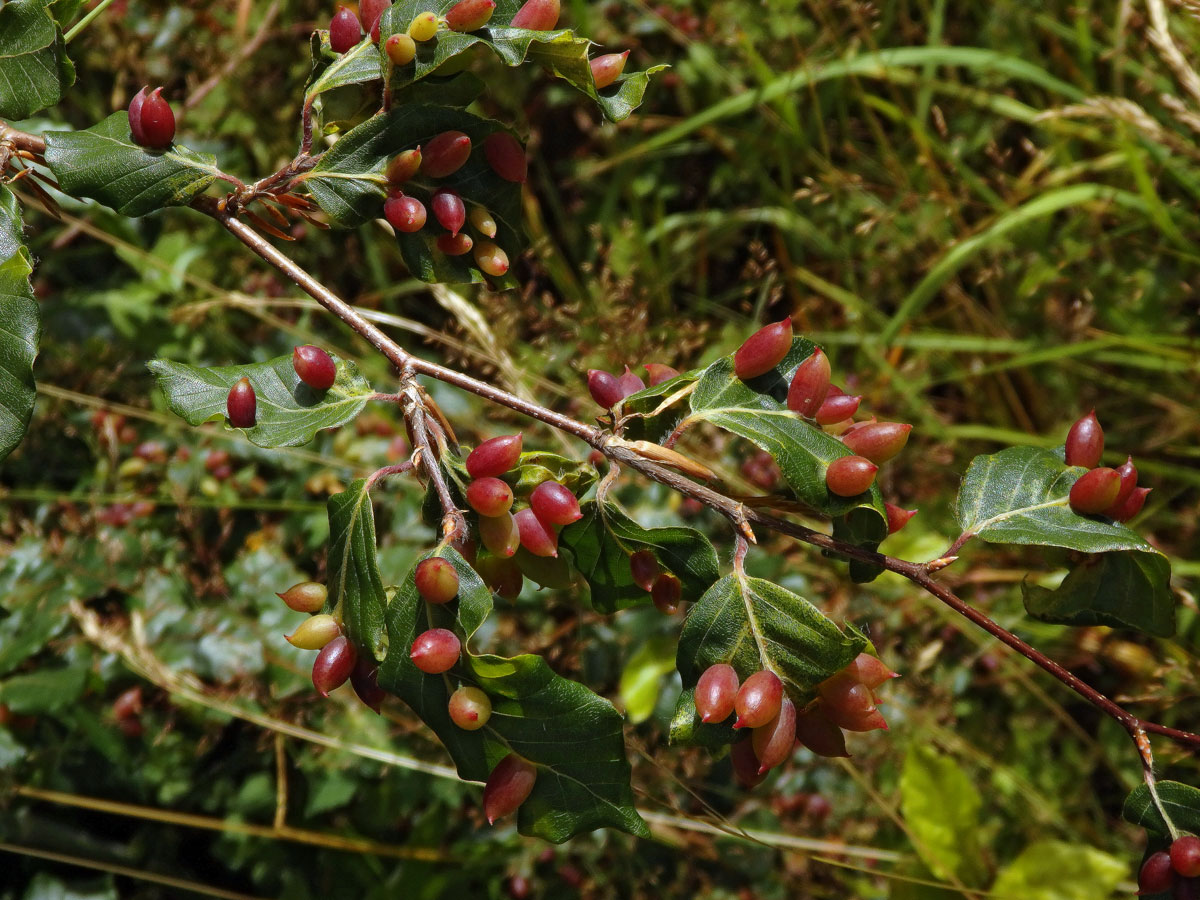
[623, 453]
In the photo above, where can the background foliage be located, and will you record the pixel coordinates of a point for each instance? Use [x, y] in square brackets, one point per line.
[897, 176]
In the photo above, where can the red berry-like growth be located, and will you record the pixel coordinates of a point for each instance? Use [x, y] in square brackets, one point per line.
[344, 30]
[1095, 491]
[448, 208]
[1156, 875]
[405, 214]
[630, 383]
[435, 651]
[554, 504]
[745, 764]
[445, 154]
[455, 244]
[657, 373]
[505, 154]
[537, 15]
[897, 517]
[469, 15]
[810, 385]
[241, 405]
[536, 537]
[608, 68]
[849, 476]
[1085, 442]
[715, 693]
[469, 708]
[151, 121]
[816, 732]
[643, 566]
[1132, 506]
[773, 742]
[1185, 856]
[763, 350]
[370, 11]
[494, 456]
[500, 534]
[489, 496]
[837, 407]
[508, 786]
[307, 596]
[877, 441]
[666, 593]
[1129, 476]
[333, 665]
[315, 367]
[604, 388]
[758, 699]
[436, 580]
[365, 681]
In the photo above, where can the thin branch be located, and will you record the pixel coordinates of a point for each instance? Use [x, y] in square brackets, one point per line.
[454, 523]
[621, 453]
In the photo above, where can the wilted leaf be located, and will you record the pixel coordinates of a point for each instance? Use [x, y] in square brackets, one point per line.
[289, 412]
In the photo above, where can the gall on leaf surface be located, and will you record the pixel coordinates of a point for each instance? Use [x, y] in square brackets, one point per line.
[35, 70]
[349, 183]
[1022, 496]
[572, 735]
[353, 578]
[104, 163]
[753, 624]
[756, 410]
[289, 412]
[561, 51]
[20, 327]
[603, 541]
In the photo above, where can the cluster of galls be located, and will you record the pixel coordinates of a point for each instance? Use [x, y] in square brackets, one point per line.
[442, 156]
[1101, 491]
[812, 396]
[346, 30]
[1176, 869]
[845, 701]
[608, 389]
[313, 366]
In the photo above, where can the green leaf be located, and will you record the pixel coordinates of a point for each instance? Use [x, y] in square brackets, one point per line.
[757, 411]
[604, 539]
[642, 418]
[104, 163]
[560, 51]
[330, 70]
[941, 809]
[641, 679]
[1121, 589]
[20, 328]
[754, 624]
[1022, 496]
[862, 527]
[34, 68]
[290, 413]
[1056, 870]
[573, 736]
[353, 581]
[1180, 801]
[349, 184]
[43, 691]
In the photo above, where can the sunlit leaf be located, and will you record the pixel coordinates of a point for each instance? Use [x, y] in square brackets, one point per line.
[20, 328]
[35, 71]
[353, 582]
[105, 164]
[289, 412]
